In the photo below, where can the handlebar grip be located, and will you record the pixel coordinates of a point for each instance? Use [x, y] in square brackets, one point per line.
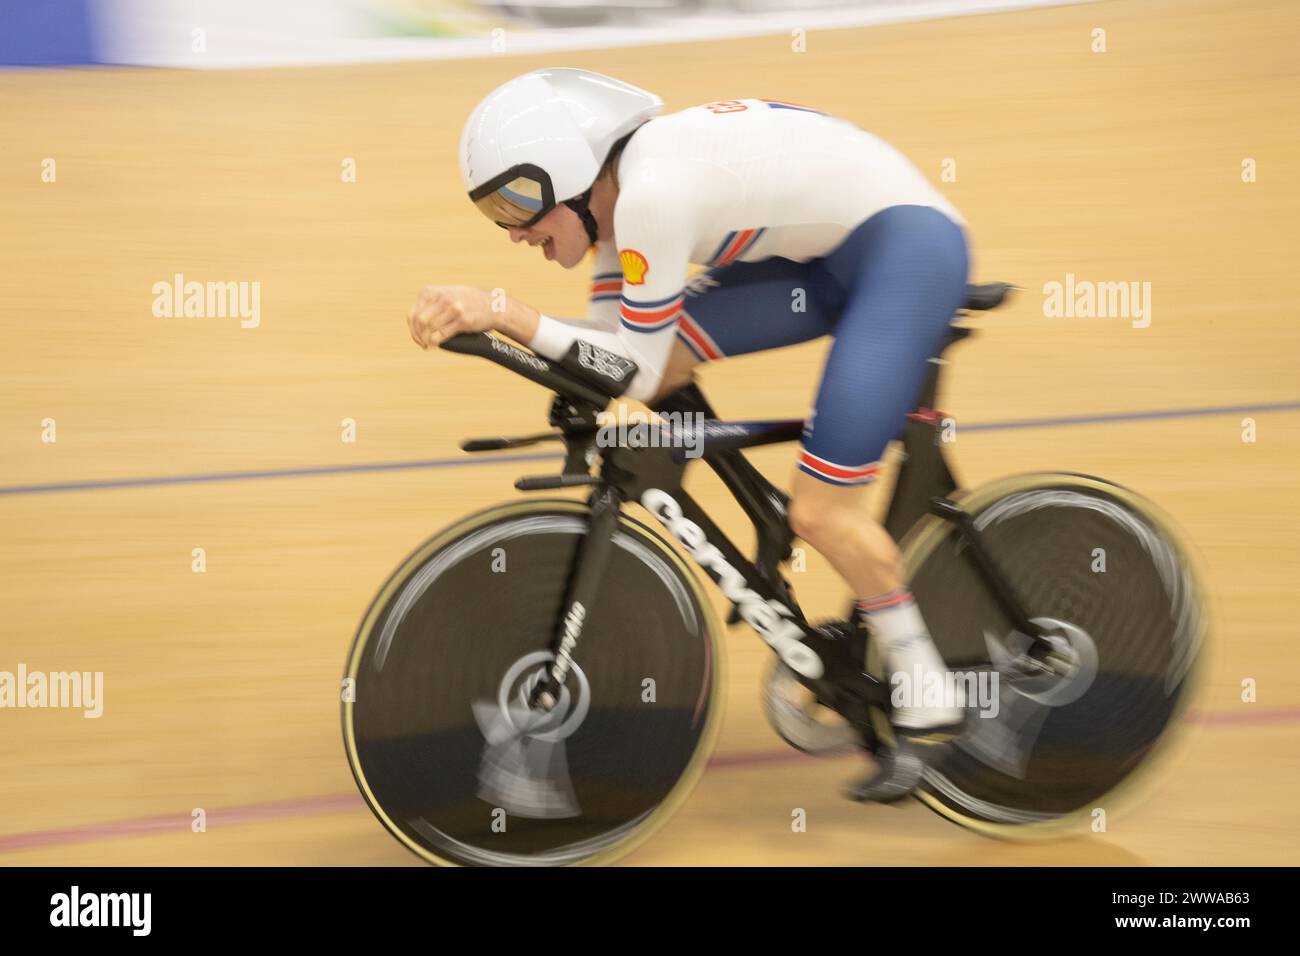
[467, 343]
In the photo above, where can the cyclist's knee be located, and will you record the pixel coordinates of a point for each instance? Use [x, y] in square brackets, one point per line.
[833, 521]
[816, 517]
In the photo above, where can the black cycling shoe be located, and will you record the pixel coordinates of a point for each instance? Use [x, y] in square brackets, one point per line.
[903, 765]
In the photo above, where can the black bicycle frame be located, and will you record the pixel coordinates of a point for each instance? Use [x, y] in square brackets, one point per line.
[652, 476]
[831, 667]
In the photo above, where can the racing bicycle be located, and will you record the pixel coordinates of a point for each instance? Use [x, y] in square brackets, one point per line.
[538, 684]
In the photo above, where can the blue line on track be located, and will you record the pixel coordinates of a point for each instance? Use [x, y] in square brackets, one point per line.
[269, 473]
[1023, 423]
[1130, 416]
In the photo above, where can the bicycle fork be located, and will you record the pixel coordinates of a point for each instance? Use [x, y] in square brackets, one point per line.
[589, 570]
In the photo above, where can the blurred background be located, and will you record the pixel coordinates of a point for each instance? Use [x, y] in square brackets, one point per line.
[200, 509]
[242, 33]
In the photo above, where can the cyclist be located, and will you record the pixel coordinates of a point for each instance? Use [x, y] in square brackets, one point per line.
[807, 225]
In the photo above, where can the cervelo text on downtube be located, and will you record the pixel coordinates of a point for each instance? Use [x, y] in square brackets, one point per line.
[772, 619]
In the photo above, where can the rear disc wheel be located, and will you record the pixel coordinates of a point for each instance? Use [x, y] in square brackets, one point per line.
[1100, 570]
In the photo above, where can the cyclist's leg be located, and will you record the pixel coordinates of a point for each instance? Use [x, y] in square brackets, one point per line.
[904, 275]
[750, 307]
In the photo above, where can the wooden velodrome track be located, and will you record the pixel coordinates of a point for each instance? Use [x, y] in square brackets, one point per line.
[221, 689]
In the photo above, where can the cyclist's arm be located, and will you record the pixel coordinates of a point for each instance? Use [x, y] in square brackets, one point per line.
[606, 286]
[601, 324]
[654, 248]
[602, 315]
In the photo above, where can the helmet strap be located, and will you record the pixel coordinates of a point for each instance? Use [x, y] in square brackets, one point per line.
[579, 205]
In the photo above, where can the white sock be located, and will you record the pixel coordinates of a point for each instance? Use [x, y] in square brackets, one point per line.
[895, 621]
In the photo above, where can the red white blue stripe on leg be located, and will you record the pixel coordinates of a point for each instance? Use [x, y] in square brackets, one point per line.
[838, 474]
[697, 340]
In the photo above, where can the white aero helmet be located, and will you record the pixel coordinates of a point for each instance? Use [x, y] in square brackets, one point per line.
[541, 138]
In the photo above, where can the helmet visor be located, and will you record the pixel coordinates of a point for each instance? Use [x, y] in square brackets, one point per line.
[517, 198]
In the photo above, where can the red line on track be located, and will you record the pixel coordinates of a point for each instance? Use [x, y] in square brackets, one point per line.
[1247, 716]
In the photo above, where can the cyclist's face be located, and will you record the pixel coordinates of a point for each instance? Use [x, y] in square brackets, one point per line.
[560, 234]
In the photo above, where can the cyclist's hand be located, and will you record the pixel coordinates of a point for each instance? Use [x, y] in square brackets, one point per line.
[441, 311]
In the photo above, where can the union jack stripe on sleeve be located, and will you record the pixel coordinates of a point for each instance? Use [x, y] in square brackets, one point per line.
[650, 316]
[606, 286]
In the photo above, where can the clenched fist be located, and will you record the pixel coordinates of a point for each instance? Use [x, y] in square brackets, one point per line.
[441, 311]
